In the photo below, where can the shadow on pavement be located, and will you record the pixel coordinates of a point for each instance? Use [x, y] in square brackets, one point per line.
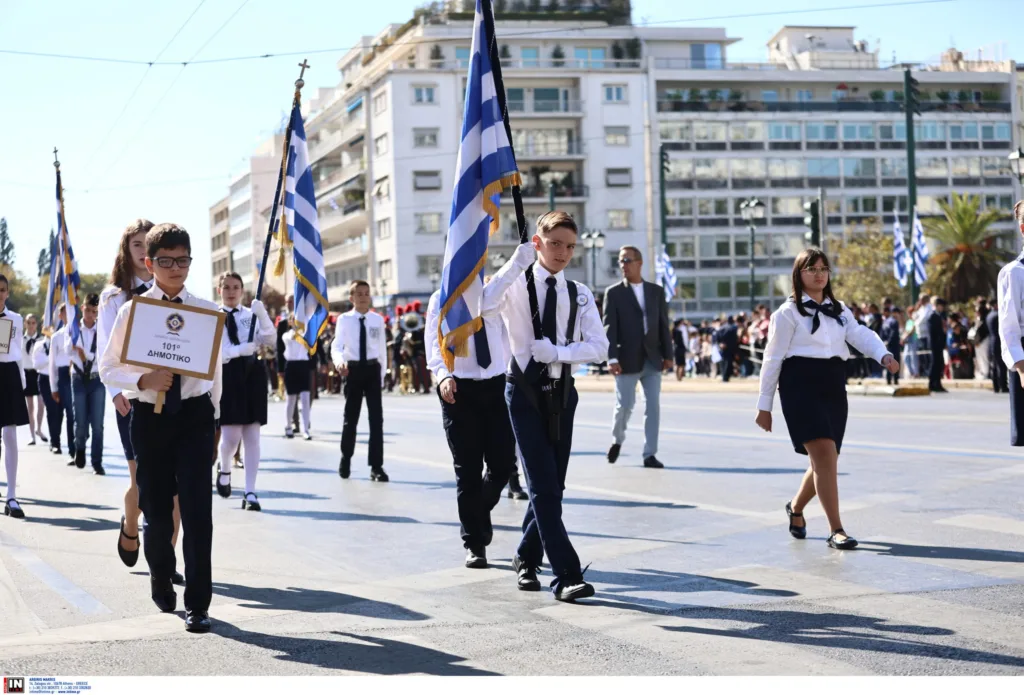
[741, 471]
[624, 504]
[314, 601]
[519, 529]
[57, 504]
[93, 524]
[938, 552]
[338, 516]
[299, 469]
[678, 582]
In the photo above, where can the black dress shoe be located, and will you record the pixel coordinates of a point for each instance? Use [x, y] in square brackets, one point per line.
[56, 450]
[13, 509]
[345, 469]
[572, 591]
[798, 532]
[224, 490]
[378, 475]
[251, 502]
[128, 557]
[476, 558]
[526, 576]
[177, 578]
[613, 453]
[80, 459]
[163, 594]
[848, 544]
[97, 468]
[515, 489]
[652, 462]
[197, 621]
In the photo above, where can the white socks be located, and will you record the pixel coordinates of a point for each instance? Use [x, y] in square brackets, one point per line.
[10, 439]
[290, 411]
[249, 436]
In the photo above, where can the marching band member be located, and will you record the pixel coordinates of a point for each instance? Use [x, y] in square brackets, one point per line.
[13, 413]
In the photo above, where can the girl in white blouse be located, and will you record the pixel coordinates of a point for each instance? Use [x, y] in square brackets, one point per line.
[805, 359]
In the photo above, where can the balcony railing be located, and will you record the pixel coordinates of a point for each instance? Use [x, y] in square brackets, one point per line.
[720, 64]
[541, 191]
[326, 143]
[339, 176]
[687, 106]
[547, 63]
[329, 217]
[545, 106]
[572, 148]
[346, 251]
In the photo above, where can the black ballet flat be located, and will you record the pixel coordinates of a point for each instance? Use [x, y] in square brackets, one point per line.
[798, 532]
[128, 557]
[14, 512]
[224, 490]
[252, 505]
[848, 544]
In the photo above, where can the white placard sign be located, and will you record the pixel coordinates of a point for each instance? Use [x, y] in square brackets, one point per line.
[180, 338]
[6, 335]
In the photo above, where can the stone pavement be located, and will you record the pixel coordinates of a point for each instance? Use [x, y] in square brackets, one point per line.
[694, 570]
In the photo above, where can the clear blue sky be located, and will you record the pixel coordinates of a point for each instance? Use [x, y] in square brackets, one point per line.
[170, 160]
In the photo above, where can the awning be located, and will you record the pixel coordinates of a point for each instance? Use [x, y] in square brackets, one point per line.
[354, 105]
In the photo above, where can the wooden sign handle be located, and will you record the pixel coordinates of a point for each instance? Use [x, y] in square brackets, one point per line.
[159, 403]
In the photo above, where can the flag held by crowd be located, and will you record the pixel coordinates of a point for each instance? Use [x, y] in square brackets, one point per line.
[69, 280]
[51, 317]
[920, 251]
[666, 273]
[300, 229]
[484, 168]
[899, 253]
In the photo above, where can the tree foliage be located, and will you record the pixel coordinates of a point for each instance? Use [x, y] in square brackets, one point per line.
[6, 245]
[863, 265]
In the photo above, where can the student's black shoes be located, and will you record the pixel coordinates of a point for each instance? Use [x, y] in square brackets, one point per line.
[163, 594]
[613, 453]
[222, 489]
[846, 544]
[378, 475]
[251, 502]
[128, 557]
[652, 462]
[798, 532]
[177, 578]
[345, 469]
[56, 450]
[526, 576]
[13, 509]
[80, 459]
[573, 591]
[515, 490]
[97, 468]
[197, 621]
[476, 558]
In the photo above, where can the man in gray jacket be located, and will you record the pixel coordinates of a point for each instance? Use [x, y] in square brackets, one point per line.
[639, 350]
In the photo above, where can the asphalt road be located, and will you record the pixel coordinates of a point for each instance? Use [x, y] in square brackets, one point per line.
[694, 570]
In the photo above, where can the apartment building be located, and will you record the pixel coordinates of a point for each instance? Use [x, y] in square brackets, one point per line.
[220, 250]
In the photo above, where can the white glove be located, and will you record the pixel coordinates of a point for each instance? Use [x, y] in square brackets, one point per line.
[246, 349]
[544, 351]
[524, 255]
[260, 312]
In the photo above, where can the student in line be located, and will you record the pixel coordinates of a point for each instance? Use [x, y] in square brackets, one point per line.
[87, 392]
[13, 413]
[60, 384]
[32, 400]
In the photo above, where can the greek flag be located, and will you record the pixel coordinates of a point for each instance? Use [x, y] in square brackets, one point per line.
[899, 252]
[69, 280]
[311, 306]
[920, 250]
[51, 318]
[485, 166]
[666, 274]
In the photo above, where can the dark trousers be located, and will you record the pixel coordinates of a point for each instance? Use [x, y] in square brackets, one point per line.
[545, 465]
[891, 378]
[935, 371]
[998, 373]
[363, 382]
[67, 410]
[53, 411]
[89, 398]
[173, 456]
[728, 357]
[478, 429]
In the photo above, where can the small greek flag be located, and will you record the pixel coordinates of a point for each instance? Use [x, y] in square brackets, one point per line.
[68, 268]
[900, 260]
[666, 274]
[920, 251]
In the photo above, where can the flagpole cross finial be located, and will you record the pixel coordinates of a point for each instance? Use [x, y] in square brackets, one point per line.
[55, 162]
[300, 82]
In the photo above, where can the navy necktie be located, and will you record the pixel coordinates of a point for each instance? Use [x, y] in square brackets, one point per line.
[362, 338]
[172, 400]
[232, 326]
[549, 323]
[139, 290]
[830, 310]
[483, 349]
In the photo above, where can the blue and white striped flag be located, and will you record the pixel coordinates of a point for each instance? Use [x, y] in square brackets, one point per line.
[311, 306]
[666, 274]
[68, 268]
[920, 250]
[51, 318]
[900, 263]
[486, 165]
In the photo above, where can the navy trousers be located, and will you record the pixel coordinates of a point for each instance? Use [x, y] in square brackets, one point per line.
[67, 410]
[545, 465]
[53, 411]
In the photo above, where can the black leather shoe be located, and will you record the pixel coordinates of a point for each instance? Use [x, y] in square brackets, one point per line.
[526, 576]
[572, 591]
[197, 621]
[163, 594]
[97, 468]
[848, 544]
[378, 475]
[13, 509]
[80, 459]
[345, 469]
[515, 489]
[613, 453]
[178, 579]
[798, 532]
[128, 557]
[652, 462]
[476, 558]
[251, 502]
[224, 490]
[56, 450]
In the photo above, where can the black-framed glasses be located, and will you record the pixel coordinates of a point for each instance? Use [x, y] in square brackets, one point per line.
[170, 262]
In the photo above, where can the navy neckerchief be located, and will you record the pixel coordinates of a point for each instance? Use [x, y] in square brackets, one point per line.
[830, 309]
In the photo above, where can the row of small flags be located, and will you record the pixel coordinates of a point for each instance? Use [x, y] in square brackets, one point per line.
[915, 258]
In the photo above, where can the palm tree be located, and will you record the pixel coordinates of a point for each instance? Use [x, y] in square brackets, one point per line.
[968, 260]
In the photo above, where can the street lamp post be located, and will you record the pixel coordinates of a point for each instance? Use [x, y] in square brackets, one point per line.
[752, 210]
[593, 242]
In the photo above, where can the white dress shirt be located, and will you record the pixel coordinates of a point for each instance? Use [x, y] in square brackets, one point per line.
[40, 356]
[266, 333]
[1011, 311]
[126, 376]
[789, 335]
[507, 293]
[294, 351]
[111, 300]
[85, 336]
[345, 347]
[465, 367]
[17, 339]
[59, 357]
[26, 353]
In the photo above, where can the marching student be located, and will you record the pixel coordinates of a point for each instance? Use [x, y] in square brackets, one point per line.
[13, 413]
[172, 448]
[358, 352]
[476, 425]
[60, 384]
[243, 401]
[515, 488]
[1011, 332]
[35, 408]
[87, 392]
[805, 359]
[541, 394]
[296, 381]
[41, 363]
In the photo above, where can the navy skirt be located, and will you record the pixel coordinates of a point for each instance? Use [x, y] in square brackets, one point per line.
[124, 429]
[243, 398]
[813, 397]
[297, 377]
[31, 382]
[1016, 407]
[13, 410]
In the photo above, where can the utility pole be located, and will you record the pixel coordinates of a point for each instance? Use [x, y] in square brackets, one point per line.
[911, 104]
[663, 169]
[551, 196]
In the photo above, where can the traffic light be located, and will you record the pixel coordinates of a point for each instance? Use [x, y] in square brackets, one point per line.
[812, 220]
[664, 160]
[912, 93]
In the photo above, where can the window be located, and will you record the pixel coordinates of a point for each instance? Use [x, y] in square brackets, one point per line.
[679, 207]
[548, 100]
[859, 168]
[929, 204]
[618, 177]
[682, 247]
[380, 103]
[864, 132]
[999, 202]
[930, 131]
[995, 131]
[819, 167]
[384, 228]
[384, 270]
[995, 166]
[894, 167]
[966, 166]
[710, 169]
[784, 131]
[380, 145]
[769, 95]
[713, 207]
[714, 287]
[706, 56]
[676, 131]
[838, 94]
[426, 180]
[382, 189]
[428, 265]
[615, 93]
[894, 203]
[620, 219]
[423, 95]
[787, 245]
[822, 132]
[747, 131]
[679, 170]
[590, 58]
[892, 131]
[424, 137]
[785, 169]
[705, 131]
[804, 95]
[462, 56]
[932, 167]
[964, 132]
[787, 207]
[862, 205]
[428, 223]
[748, 169]
[715, 246]
[530, 56]
[515, 98]
[616, 135]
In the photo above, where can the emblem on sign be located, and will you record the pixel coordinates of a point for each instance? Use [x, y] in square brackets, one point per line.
[175, 322]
